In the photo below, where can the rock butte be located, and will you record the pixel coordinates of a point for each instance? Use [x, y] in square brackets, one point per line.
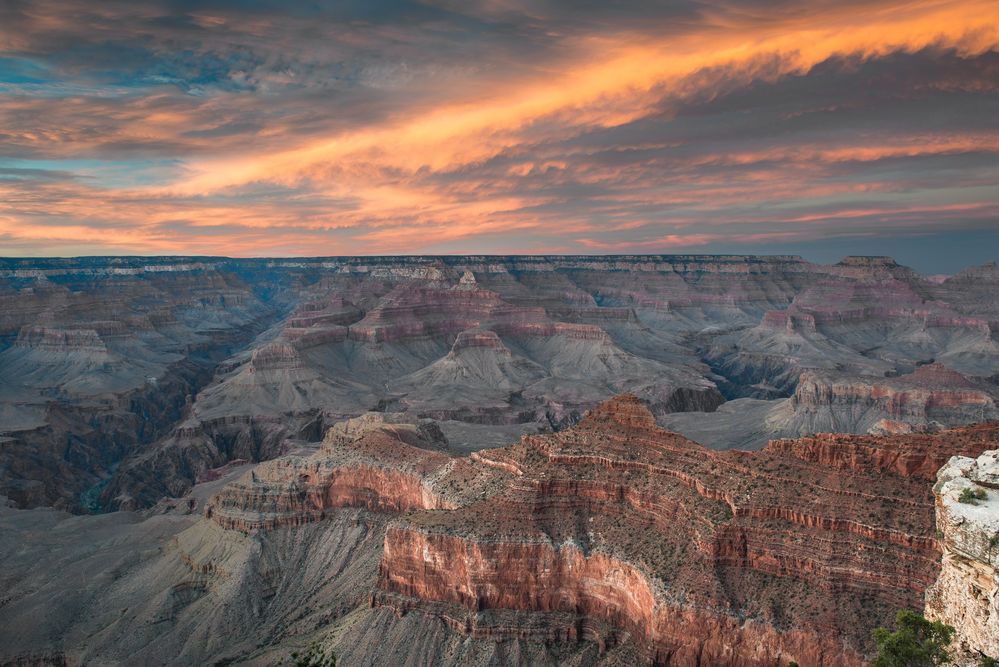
[124, 380]
[618, 532]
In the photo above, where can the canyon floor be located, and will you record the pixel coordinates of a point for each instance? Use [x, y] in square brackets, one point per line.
[676, 460]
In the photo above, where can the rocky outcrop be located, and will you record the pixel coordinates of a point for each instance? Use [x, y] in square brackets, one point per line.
[384, 465]
[618, 532]
[907, 454]
[966, 594]
[931, 397]
[629, 526]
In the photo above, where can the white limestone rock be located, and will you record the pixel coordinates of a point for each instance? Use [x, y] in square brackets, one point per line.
[966, 594]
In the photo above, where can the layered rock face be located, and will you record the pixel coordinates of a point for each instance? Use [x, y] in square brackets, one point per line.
[99, 360]
[620, 533]
[370, 461]
[966, 594]
[627, 525]
[907, 454]
[929, 398]
[124, 379]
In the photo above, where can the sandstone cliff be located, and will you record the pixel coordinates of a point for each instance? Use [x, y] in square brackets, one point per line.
[702, 557]
[620, 533]
[966, 594]
[907, 454]
[610, 543]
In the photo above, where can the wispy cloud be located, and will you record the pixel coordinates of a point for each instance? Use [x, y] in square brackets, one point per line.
[252, 128]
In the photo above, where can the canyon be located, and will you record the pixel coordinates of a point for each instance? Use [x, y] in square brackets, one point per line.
[612, 541]
[122, 380]
[665, 460]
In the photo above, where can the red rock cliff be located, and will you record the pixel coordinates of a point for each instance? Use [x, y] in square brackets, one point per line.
[721, 558]
[617, 531]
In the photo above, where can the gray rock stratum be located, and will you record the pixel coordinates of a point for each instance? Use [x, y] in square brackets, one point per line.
[126, 380]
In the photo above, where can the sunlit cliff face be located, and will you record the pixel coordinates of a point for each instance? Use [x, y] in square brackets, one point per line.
[494, 126]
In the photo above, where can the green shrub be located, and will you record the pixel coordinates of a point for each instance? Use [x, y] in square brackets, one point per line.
[316, 656]
[972, 496]
[916, 642]
[986, 661]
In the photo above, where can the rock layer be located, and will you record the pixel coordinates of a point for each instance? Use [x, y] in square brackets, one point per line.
[378, 463]
[703, 557]
[907, 454]
[618, 532]
[186, 363]
[966, 594]
[932, 396]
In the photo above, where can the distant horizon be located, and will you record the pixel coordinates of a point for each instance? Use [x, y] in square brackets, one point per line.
[389, 256]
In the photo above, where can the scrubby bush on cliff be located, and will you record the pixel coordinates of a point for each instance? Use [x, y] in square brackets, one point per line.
[316, 656]
[916, 642]
[986, 661]
[972, 496]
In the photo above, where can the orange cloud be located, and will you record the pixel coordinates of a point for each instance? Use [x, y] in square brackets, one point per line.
[500, 155]
[611, 81]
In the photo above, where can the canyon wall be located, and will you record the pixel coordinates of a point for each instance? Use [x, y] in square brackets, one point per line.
[122, 380]
[932, 396]
[196, 389]
[619, 533]
[610, 542]
[966, 594]
[907, 454]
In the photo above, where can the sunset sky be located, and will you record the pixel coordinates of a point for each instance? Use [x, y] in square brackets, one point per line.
[501, 126]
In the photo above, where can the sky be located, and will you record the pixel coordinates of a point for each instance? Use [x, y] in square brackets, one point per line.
[253, 128]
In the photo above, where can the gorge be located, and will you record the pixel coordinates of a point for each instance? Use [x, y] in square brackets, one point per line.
[667, 460]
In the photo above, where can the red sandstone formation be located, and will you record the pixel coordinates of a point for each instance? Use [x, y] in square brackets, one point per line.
[932, 394]
[364, 462]
[908, 454]
[617, 531]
